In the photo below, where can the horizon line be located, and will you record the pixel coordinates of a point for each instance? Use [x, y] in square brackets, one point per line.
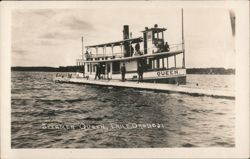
[78, 66]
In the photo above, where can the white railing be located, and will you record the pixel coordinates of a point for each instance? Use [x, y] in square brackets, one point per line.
[172, 47]
[104, 55]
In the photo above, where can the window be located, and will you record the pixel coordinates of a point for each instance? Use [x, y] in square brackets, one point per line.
[149, 35]
[155, 36]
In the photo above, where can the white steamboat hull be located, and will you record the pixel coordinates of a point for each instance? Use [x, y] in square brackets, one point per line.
[157, 76]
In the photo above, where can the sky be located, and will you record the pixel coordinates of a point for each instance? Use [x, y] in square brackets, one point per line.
[52, 37]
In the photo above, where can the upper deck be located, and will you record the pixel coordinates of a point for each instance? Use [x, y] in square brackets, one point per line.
[174, 50]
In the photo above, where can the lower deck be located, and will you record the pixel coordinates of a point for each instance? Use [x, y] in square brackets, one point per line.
[163, 67]
[170, 76]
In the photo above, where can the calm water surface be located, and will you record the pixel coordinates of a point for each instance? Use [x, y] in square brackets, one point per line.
[45, 114]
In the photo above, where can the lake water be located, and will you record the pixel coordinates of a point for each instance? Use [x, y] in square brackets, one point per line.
[45, 114]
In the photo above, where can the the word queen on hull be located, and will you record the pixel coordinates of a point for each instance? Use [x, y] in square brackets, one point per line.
[151, 53]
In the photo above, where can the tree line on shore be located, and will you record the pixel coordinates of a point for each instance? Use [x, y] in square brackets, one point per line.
[210, 70]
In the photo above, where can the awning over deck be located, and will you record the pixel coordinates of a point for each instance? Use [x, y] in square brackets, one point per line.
[117, 43]
[159, 55]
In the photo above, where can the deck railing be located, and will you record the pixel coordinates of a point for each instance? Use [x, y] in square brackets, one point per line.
[172, 47]
[104, 55]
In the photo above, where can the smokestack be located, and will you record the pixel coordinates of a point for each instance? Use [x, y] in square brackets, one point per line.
[126, 44]
[125, 32]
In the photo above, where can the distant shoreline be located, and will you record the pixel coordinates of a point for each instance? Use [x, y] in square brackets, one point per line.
[209, 70]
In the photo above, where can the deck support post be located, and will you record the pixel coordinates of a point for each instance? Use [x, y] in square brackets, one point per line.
[163, 63]
[121, 48]
[104, 50]
[130, 53]
[90, 68]
[96, 51]
[106, 71]
[157, 63]
[175, 61]
[111, 70]
[167, 63]
[112, 47]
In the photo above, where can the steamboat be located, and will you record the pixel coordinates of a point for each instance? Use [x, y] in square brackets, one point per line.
[156, 58]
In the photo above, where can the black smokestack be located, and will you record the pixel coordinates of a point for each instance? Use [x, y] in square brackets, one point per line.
[126, 44]
[125, 32]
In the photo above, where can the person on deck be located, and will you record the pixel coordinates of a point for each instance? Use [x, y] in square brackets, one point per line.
[108, 72]
[131, 50]
[86, 53]
[123, 71]
[137, 50]
[140, 72]
[97, 73]
[166, 47]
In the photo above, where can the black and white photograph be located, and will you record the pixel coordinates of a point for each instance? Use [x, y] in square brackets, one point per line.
[106, 75]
